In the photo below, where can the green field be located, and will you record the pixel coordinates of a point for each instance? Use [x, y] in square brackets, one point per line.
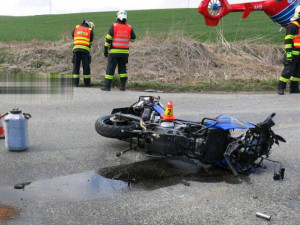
[159, 22]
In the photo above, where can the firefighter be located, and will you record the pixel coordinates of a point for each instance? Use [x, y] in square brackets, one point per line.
[117, 50]
[291, 70]
[83, 36]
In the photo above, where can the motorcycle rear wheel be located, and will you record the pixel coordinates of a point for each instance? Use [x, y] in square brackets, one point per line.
[106, 128]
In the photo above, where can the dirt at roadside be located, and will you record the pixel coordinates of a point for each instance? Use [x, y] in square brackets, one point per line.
[175, 59]
[7, 213]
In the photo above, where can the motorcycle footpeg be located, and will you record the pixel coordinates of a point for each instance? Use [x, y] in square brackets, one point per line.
[118, 154]
[155, 156]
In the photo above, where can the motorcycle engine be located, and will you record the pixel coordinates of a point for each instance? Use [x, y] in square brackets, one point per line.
[213, 146]
[168, 139]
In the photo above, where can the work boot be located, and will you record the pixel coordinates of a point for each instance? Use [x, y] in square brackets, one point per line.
[281, 87]
[294, 87]
[105, 88]
[123, 83]
[107, 85]
[87, 82]
[76, 82]
[281, 91]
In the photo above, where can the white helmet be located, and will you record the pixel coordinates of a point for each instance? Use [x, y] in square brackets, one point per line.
[86, 22]
[122, 15]
[297, 13]
[92, 25]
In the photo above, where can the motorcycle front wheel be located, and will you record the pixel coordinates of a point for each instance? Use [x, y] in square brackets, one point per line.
[107, 127]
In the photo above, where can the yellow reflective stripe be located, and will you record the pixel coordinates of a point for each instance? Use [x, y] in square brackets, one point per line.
[87, 76]
[77, 26]
[296, 44]
[81, 38]
[123, 75]
[296, 23]
[295, 79]
[81, 47]
[288, 46]
[110, 77]
[295, 52]
[81, 42]
[124, 51]
[75, 75]
[67, 76]
[290, 36]
[109, 37]
[107, 44]
[90, 28]
[60, 76]
[283, 79]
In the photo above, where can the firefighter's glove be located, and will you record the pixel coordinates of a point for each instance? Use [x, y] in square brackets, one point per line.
[289, 57]
[106, 52]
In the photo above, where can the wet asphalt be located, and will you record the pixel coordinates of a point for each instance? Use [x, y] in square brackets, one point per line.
[69, 166]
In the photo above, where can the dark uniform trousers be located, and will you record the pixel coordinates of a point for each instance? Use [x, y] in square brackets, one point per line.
[113, 61]
[85, 58]
[291, 72]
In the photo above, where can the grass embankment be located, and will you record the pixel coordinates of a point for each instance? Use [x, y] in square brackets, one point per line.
[175, 50]
[55, 27]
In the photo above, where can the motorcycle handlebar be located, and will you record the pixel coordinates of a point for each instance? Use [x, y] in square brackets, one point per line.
[269, 121]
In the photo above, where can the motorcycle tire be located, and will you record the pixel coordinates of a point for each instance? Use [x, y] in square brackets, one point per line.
[105, 128]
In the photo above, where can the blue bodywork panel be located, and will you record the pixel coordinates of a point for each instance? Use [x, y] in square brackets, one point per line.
[158, 109]
[229, 123]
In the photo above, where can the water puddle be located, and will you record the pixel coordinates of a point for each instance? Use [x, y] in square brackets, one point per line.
[83, 186]
[110, 181]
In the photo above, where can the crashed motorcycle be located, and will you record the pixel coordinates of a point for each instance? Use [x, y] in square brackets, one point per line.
[147, 125]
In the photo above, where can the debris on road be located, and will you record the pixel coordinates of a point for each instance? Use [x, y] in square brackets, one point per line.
[186, 183]
[22, 185]
[264, 216]
[2, 134]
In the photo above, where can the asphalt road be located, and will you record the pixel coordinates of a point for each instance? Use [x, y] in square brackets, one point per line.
[66, 153]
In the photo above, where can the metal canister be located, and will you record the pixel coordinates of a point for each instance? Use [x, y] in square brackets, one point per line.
[16, 128]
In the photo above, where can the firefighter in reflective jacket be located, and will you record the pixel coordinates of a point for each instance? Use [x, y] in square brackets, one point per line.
[117, 50]
[83, 36]
[291, 71]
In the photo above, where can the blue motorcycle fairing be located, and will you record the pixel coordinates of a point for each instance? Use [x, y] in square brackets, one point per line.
[158, 109]
[229, 123]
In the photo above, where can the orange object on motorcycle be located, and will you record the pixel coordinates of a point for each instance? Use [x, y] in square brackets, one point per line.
[169, 113]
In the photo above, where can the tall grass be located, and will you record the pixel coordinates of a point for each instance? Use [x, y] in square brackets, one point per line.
[173, 58]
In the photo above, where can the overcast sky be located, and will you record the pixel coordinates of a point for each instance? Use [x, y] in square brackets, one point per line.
[39, 7]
